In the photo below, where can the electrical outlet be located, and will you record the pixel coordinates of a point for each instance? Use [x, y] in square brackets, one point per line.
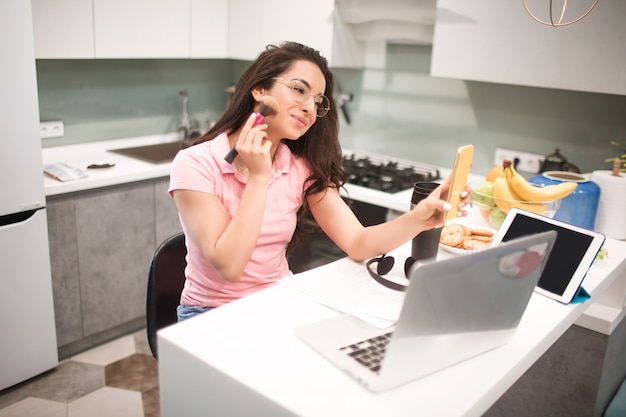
[51, 129]
[523, 161]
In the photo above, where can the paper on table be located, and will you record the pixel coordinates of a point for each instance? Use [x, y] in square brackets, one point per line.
[346, 286]
[64, 172]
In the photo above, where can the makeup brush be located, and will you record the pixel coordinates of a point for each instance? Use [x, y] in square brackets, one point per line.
[267, 107]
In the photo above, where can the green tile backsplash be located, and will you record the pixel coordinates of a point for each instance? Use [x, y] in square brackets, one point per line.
[398, 108]
[109, 99]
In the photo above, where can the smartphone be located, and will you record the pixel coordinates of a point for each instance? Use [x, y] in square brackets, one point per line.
[460, 172]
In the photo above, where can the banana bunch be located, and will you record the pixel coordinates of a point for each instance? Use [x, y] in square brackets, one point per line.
[513, 190]
[506, 200]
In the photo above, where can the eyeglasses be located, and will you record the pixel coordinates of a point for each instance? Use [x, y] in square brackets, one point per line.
[302, 92]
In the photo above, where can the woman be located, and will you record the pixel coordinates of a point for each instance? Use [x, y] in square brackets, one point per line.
[239, 218]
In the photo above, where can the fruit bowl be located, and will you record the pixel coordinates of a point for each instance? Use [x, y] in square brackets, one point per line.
[493, 213]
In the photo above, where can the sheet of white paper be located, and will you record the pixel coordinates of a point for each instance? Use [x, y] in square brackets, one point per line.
[348, 287]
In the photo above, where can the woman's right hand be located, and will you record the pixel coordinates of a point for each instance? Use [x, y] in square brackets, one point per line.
[254, 148]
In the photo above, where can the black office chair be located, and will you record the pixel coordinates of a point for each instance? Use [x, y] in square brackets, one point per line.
[165, 283]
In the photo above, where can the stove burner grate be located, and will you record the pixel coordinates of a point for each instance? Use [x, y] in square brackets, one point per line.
[385, 175]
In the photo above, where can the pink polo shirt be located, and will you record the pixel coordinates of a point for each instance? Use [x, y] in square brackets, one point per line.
[202, 168]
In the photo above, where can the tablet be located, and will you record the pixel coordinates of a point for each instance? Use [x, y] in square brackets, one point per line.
[573, 253]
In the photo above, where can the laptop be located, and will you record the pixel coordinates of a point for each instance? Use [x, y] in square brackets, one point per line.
[454, 309]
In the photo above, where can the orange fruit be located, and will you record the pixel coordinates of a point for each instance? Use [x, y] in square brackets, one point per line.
[485, 214]
[494, 173]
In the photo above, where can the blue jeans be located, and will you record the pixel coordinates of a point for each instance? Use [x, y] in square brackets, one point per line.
[186, 312]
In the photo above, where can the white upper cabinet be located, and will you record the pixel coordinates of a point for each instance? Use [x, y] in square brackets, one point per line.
[304, 21]
[497, 41]
[238, 29]
[63, 28]
[209, 28]
[130, 28]
[245, 29]
[314, 23]
[142, 28]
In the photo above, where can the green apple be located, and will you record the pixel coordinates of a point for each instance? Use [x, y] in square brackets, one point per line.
[496, 217]
[602, 253]
[483, 194]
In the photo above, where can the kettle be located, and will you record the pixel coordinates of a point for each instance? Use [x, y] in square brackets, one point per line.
[556, 162]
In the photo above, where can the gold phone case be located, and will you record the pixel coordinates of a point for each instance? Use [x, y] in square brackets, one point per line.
[462, 166]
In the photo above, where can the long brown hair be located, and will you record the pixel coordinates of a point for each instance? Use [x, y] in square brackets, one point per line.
[319, 146]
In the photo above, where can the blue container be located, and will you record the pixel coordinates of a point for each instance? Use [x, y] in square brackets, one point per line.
[581, 206]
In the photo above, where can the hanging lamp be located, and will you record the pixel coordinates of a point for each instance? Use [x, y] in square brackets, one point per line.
[559, 22]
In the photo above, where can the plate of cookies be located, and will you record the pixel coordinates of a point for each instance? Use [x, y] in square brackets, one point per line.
[462, 239]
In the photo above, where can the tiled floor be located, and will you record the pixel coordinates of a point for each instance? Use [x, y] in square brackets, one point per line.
[119, 378]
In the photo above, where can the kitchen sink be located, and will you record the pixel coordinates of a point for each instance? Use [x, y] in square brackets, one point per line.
[155, 154]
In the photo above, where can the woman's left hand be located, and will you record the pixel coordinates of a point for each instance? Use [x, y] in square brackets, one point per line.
[431, 210]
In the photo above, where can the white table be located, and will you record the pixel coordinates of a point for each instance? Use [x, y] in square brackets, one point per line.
[243, 359]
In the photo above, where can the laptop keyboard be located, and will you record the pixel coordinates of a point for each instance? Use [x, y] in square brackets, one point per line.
[369, 352]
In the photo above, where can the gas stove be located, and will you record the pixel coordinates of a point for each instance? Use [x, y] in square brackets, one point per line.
[378, 189]
[385, 174]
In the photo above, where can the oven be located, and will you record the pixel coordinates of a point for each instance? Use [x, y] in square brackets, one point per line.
[369, 175]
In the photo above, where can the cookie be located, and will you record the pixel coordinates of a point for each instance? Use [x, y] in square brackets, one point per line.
[452, 239]
[473, 244]
[482, 232]
[455, 228]
[486, 239]
[461, 236]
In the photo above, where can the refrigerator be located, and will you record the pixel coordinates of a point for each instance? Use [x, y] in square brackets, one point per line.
[28, 343]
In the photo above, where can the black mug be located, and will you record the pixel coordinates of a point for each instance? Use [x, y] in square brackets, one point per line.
[425, 245]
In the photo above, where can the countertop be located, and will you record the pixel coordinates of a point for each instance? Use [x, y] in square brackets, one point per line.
[128, 169]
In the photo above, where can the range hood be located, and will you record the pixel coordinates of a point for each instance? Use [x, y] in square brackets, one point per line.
[394, 21]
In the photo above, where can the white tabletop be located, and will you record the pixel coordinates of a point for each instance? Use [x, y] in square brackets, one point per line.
[244, 359]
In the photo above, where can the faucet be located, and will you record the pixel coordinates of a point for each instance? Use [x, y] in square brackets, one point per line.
[188, 127]
[341, 100]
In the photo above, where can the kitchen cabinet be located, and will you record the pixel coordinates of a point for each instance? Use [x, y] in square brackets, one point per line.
[497, 41]
[142, 28]
[112, 29]
[101, 244]
[274, 21]
[167, 222]
[63, 28]
[209, 28]
[245, 27]
[316, 24]
[115, 238]
[64, 266]
[79, 29]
